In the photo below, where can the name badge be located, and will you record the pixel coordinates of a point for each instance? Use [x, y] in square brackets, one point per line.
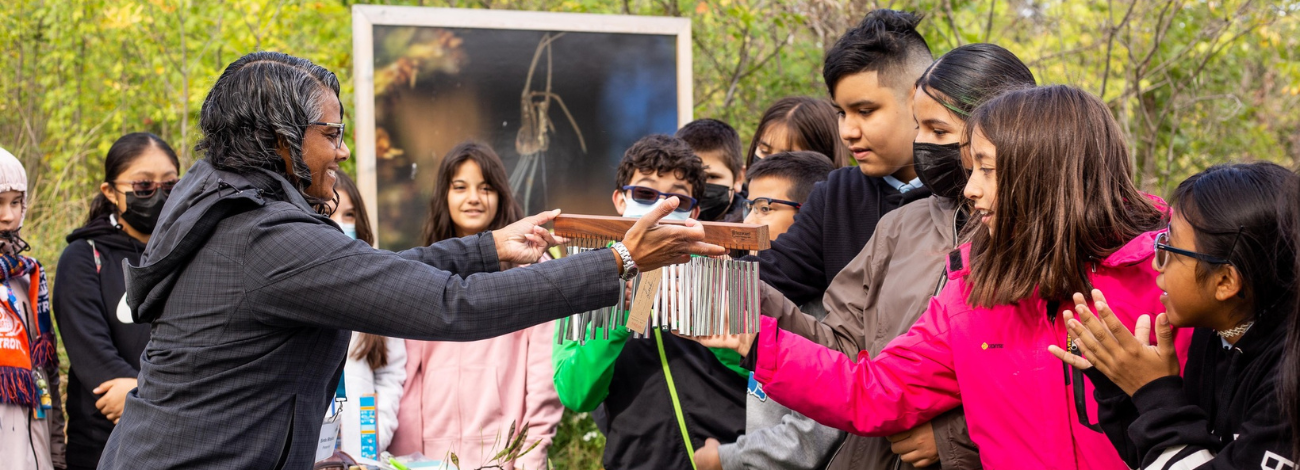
[329, 433]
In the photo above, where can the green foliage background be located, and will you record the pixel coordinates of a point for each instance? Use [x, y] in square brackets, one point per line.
[1193, 82]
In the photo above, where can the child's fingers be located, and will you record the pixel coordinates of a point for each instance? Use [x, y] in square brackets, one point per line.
[1068, 358]
[1098, 332]
[1142, 330]
[1113, 325]
[1087, 343]
[1165, 337]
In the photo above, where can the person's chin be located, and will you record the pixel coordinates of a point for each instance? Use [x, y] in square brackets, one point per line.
[874, 168]
[1170, 313]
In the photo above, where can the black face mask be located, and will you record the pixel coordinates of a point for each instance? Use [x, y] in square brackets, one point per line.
[716, 201]
[143, 213]
[939, 167]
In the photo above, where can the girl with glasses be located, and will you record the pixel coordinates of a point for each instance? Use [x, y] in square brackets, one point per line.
[1227, 270]
[140, 170]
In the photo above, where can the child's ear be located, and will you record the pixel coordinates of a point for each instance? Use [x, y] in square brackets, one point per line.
[620, 205]
[107, 190]
[695, 213]
[740, 180]
[1227, 283]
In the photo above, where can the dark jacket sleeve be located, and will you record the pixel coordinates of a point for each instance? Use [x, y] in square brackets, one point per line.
[79, 308]
[1115, 413]
[795, 265]
[952, 438]
[337, 282]
[459, 256]
[1172, 429]
[58, 420]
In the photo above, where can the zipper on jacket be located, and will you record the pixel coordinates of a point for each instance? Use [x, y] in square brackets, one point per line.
[943, 272]
[1053, 307]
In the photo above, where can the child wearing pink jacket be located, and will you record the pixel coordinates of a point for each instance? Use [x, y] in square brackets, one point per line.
[1057, 213]
[465, 397]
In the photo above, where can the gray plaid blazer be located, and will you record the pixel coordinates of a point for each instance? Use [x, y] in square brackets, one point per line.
[252, 295]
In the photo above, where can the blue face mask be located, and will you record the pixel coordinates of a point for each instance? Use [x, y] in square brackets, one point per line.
[350, 230]
[635, 210]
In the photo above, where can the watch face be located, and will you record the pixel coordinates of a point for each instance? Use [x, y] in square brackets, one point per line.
[631, 273]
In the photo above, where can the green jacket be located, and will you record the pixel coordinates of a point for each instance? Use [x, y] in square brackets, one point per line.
[629, 376]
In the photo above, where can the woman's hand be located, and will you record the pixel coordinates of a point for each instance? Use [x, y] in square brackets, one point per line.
[1128, 361]
[653, 246]
[114, 397]
[525, 241]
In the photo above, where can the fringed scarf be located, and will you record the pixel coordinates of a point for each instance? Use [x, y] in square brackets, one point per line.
[17, 354]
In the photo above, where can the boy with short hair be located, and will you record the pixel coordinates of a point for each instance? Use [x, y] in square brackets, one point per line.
[718, 145]
[775, 436]
[663, 396]
[779, 185]
[869, 73]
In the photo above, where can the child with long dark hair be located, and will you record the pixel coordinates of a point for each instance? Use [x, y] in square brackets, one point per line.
[463, 397]
[140, 170]
[1227, 269]
[798, 123]
[1051, 187]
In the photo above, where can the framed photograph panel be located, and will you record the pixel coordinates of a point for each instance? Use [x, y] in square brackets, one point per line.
[559, 96]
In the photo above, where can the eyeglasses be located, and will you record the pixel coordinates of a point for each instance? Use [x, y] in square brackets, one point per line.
[338, 139]
[1163, 249]
[646, 195]
[146, 189]
[764, 205]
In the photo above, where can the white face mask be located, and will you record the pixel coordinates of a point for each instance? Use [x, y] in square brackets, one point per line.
[350, 230]
[635, 210]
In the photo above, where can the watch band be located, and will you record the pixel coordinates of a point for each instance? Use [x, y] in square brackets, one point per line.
[629, 266]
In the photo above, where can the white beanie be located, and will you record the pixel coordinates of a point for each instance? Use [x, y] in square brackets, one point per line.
[12, 175]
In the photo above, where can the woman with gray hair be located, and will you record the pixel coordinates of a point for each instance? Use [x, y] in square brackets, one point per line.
[251, 290]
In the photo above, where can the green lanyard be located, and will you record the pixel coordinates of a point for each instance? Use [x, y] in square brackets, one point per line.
[672, 392]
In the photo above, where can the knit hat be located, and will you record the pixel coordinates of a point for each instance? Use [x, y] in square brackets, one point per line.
[12, 175]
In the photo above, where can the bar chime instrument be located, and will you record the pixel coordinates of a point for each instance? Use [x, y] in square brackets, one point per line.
[705, 296]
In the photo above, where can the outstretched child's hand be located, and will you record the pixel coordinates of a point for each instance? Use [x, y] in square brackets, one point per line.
[740, 342]
[1128, 361]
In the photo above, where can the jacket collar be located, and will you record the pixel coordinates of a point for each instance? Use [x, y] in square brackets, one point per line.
[202, 199]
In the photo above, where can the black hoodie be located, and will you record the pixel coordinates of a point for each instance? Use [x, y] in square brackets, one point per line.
[1222, 413]
[100, 347]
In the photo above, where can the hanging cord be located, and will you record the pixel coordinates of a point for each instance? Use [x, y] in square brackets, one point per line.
[12, 238]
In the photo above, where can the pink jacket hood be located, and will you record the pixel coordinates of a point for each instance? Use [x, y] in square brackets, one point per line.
[1018, 398]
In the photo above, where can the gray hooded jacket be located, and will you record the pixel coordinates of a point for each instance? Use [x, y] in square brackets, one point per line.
[251, 296]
